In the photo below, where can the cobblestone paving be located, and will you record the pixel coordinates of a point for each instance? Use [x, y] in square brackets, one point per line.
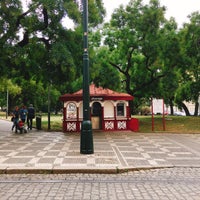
[51, 150]
[169, 184]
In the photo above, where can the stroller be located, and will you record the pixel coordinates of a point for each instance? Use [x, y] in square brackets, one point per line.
[21, 127]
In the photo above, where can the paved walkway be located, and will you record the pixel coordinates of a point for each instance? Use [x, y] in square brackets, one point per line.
[56, 152]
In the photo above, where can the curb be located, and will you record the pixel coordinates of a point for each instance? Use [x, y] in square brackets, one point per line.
[78, 171]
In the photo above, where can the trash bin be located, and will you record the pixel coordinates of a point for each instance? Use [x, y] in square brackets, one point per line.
[38, 122]
[134, 124]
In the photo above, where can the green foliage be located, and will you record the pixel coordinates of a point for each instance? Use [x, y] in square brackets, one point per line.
[96, 12]
[134, 40]
[7, 84]
[8, 88]
[153, 58]
[40, 49]
[189, 86]
[138, 51]
[102, 73]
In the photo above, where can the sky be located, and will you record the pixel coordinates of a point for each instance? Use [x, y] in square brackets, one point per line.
[179, 9]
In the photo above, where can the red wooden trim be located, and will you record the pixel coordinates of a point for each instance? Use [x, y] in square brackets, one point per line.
[64, 114]
[102, 118]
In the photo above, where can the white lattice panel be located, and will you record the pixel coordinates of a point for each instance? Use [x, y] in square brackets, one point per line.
[121, 125]
[109, 125]
[71, 126]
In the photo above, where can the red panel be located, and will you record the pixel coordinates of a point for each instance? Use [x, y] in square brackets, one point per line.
[133, 124]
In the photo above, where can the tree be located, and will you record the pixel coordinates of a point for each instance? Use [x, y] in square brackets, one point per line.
[189, 88]
[102, 73]
[9, 11]
[171, 58]
[38, 47]
[8, 87]
[134, 42]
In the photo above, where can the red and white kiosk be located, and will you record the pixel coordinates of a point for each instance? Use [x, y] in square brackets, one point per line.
[109, 110]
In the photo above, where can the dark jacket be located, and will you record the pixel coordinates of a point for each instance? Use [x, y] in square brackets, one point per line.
[16, 114]
[31, 113]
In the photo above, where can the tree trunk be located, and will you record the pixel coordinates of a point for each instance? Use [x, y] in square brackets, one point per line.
[196, 109]
[185, 108]
[171, 107]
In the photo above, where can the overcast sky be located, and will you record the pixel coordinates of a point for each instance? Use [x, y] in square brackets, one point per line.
[179, 9]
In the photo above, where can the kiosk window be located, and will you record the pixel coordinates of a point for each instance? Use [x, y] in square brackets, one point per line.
[96, 109]
[120, 109]
[71, 111]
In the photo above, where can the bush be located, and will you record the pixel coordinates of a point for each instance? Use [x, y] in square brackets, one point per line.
[145, 111]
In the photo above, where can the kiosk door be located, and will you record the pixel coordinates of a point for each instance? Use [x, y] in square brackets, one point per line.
[96, 115]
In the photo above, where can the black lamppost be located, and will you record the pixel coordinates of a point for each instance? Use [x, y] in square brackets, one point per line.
[86, 144]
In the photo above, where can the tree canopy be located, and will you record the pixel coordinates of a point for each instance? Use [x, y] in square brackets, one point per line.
[151, 56]
[138, 51]
[40, 49]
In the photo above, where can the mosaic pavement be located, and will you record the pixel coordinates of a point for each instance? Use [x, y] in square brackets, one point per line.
[116, 150]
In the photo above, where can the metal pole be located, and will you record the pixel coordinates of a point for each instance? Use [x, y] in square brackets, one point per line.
[49, 110]
[86, 140]
[7, 104]
[163, 115]
[152, 114]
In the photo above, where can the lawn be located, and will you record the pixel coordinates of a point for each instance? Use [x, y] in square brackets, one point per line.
[173, 124]
[55, 122]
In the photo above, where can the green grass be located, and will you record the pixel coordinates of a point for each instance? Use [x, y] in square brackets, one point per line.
[173, 124]
[55, 122]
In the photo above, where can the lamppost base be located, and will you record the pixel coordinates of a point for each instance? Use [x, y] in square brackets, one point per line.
[86, 138]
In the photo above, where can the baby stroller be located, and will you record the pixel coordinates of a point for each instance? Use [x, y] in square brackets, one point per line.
[21, 127]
